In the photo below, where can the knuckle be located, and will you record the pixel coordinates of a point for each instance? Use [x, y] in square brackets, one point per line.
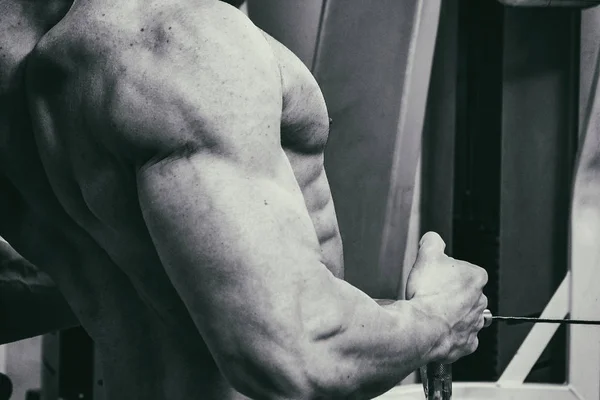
[483, 301]
[474, 345]
[452, 358]
[484, 276]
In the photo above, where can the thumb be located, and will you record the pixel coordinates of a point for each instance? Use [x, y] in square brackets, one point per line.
[431, 247]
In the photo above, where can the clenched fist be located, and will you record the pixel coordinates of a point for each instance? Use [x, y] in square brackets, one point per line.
[448, 291]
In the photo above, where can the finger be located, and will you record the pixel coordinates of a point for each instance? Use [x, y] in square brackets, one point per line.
[480, 323]
[480, 274]
[483, 302]
[466, 349]
[483, 276]
[432, 239]
[431, 247]
[473, 344]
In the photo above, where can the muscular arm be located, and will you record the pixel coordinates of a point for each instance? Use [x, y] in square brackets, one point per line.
[30, 303]
[233, 232]
[239, 247]
[228, 219]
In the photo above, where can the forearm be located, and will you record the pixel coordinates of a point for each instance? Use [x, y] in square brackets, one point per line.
[30, 303]
[278, 323]
[376, 347]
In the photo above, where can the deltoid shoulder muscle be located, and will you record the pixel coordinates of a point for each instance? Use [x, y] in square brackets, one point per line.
[124, 69]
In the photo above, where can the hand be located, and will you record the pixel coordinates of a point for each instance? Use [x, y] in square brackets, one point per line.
[451, 292]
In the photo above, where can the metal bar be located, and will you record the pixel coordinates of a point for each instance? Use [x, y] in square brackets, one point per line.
[546, 320]
[539, 336]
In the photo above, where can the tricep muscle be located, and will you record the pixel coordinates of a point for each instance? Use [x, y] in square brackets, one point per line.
[240, 249]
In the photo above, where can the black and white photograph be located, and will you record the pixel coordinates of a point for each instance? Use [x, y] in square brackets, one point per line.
[299, 199]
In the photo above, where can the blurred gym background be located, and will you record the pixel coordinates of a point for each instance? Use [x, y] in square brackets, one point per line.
[506, 91]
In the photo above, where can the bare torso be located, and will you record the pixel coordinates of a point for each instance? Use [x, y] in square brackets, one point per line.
[70, 205]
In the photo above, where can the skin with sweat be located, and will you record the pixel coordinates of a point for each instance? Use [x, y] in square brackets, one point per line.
[162, 162]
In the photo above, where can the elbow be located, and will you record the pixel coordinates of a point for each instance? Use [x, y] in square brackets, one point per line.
[312, 373]
[329, 375]
[308, 360]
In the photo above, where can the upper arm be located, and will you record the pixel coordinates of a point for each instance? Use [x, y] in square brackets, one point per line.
[196, 112]
[221, 202]
[232, 230]
[240, 249]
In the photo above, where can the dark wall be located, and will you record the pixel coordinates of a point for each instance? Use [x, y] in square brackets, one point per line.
[539, 137]
[515, 146]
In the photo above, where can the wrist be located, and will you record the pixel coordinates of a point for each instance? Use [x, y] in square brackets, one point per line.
[434, 330]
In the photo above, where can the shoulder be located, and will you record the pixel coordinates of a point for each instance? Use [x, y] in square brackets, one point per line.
[300, 88]
[305, 119]
[163, 78]
[217, 37]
